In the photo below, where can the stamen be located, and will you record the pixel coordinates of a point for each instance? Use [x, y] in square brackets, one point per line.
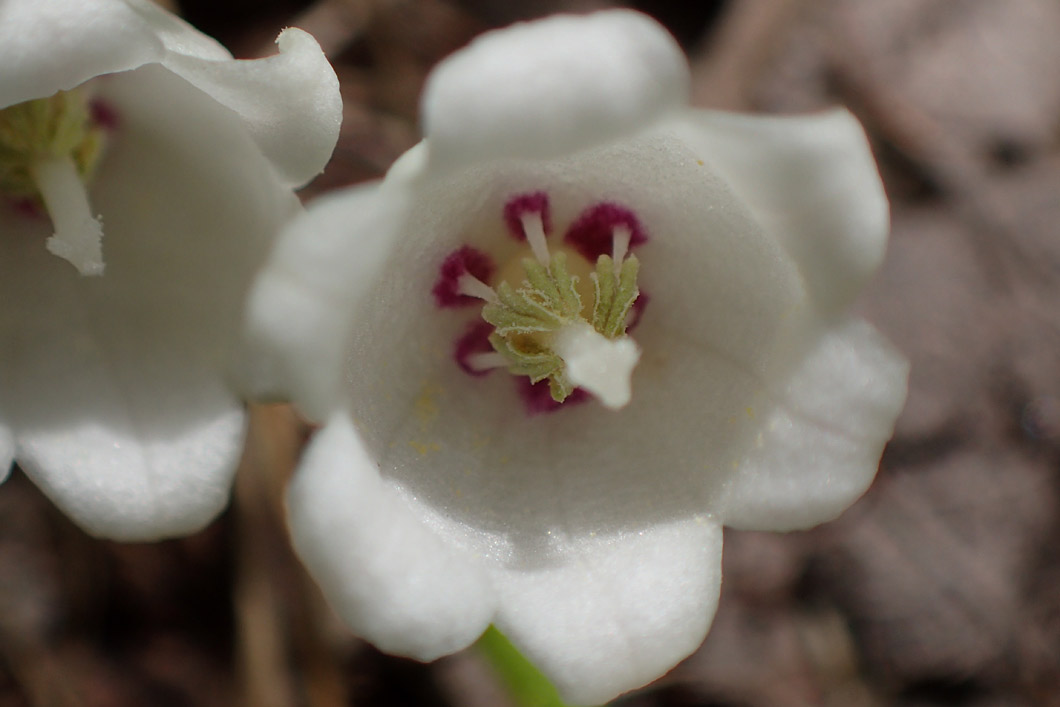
[531, 202]
[620, 236]
[482, 362]
[538, 329]
[475, 340]
[636, 311]
[534, 228]
[593, 233]
[468, 284]
[78, 235]
[449, 289]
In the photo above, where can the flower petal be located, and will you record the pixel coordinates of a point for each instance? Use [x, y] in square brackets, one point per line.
[290, 102]
[60, 44]
[552, 86]
[120, 421]
[612, 614]
[114, 384]
[813, 184]
[297, 321]
[387, 574]
[177, 35]
[820, 444]
[130, 470]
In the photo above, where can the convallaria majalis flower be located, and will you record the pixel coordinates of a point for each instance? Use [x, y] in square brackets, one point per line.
[570, 335]
[143, 176]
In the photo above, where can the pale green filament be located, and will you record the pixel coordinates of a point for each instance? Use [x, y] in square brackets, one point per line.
[47, 128]
[527, 320]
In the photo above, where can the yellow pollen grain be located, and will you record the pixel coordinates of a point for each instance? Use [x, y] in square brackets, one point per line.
[426, 405]
[424, 449]
[425, 409]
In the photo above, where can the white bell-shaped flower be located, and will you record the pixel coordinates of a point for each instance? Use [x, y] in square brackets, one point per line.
[143, 176]
[567, 338]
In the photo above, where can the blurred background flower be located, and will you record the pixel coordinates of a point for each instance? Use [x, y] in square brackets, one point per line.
[115, 339]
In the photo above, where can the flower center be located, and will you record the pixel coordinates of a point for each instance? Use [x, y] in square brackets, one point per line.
[559, 315]
[49, 148]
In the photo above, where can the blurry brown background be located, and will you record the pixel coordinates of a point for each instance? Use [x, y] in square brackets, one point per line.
[941, 587]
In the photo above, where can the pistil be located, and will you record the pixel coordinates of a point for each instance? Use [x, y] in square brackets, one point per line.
[78, 235]
[601, 365]
[48, 150]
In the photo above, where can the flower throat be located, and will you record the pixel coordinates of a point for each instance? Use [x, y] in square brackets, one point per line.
[557, 315]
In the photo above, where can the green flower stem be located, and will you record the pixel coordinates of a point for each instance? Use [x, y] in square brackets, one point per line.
[525, 683]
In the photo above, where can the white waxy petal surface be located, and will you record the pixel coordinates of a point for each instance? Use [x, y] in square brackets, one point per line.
[612, 613]
[820, 444]
[60, 44]
[121, 425]
[297, 321]
[289, 103]
[546, 88]
[811, 182]
[390, 577]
